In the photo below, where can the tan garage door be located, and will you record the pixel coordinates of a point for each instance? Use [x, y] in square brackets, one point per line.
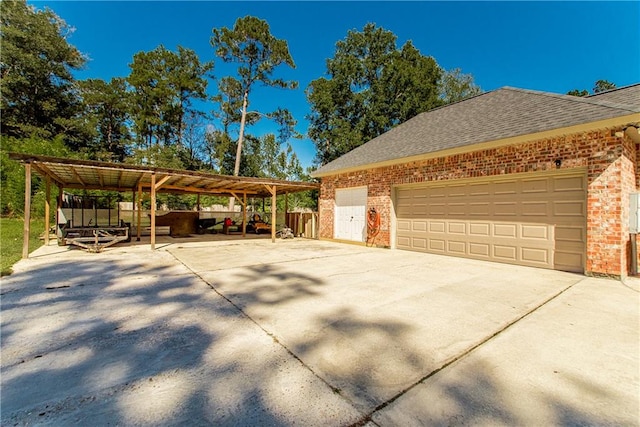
[529, 220]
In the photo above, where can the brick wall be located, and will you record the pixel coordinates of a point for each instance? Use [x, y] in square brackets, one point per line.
[611, 163]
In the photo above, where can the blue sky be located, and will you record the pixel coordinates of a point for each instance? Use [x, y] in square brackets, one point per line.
[548, 46]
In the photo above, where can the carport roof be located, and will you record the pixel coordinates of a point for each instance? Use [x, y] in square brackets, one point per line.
[503, 115]
[93, 175]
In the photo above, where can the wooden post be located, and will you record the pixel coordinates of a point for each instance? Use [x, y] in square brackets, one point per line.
[273, 215]
[47, 209]
[286, 209]
[244, 215]
[27, 209]
[198, 202]
[59, 208]
[139, 211]
[153, 211]
[133, 208]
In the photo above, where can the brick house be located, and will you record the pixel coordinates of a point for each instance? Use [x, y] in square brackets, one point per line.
[516, 176]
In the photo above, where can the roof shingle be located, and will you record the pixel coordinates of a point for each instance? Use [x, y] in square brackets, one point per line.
[499, 114]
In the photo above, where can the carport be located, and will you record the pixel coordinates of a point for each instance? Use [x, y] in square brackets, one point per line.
[93, 175]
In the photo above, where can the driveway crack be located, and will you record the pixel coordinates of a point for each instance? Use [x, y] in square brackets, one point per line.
[368, 418]
[271, 335]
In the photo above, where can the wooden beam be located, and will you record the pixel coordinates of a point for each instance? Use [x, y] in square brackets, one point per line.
[153, 211]
[162, 181]
[47, 209]
[243, 202]
[118, 181]
[75, 174]
[196, 190]
[100, 177]
[45, 171]
[27, 210]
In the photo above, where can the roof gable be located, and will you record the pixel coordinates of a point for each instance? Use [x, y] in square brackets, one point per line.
[496, 115]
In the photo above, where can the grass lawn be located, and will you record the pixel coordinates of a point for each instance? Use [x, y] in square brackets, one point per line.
[11, 230]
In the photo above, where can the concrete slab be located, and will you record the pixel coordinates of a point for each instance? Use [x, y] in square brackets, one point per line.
[572, 362]
[130, 337]
[311, 333]
[373, 322]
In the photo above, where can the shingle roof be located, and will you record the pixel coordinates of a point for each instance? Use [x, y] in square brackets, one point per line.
[499, 114]
[629, 95]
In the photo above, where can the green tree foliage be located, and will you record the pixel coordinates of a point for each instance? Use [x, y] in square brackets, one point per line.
[164, 85]
[12, 173]
[599, 86]
[36, 82]
[603, 86]
[371, 86]
[456, 86]
[258, 53]
[107, 110]
[578, 92]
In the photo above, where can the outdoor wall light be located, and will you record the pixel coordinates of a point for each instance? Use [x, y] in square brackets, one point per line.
[558, 163]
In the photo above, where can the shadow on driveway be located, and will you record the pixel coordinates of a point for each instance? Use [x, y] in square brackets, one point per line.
[300, 333]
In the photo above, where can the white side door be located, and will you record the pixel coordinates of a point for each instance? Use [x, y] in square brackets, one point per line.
[350, 214]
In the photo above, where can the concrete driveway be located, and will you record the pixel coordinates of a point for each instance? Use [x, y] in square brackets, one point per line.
[305, 332]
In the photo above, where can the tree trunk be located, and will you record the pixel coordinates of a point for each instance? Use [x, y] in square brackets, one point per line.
[236, 168]
[243, 119]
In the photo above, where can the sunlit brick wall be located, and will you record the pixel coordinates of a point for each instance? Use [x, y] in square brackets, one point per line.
[610, 161]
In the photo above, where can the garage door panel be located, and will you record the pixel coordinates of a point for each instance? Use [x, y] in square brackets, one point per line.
[457, 228]
[566, 233]
[574, 208]
[419, 210]
[535, 221]
[539, 208]
[437, 226]
[480, 249]
[505, 253]
[535, 256]
[457, 209]
[505, 209]
[404, 242]
[569, 183]
[457, 191]
[535, 186]
[533, 231]
[418, 243]
[505, 187]
[479, 229]
[482, 189]
[505, 230]
[419, 225]
[437, 209]
[404, 225]
[456, 247]
[567, 260]
[480, 209]
[437, 245]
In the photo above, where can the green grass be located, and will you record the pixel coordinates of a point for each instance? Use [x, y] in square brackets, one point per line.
[11, 232]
